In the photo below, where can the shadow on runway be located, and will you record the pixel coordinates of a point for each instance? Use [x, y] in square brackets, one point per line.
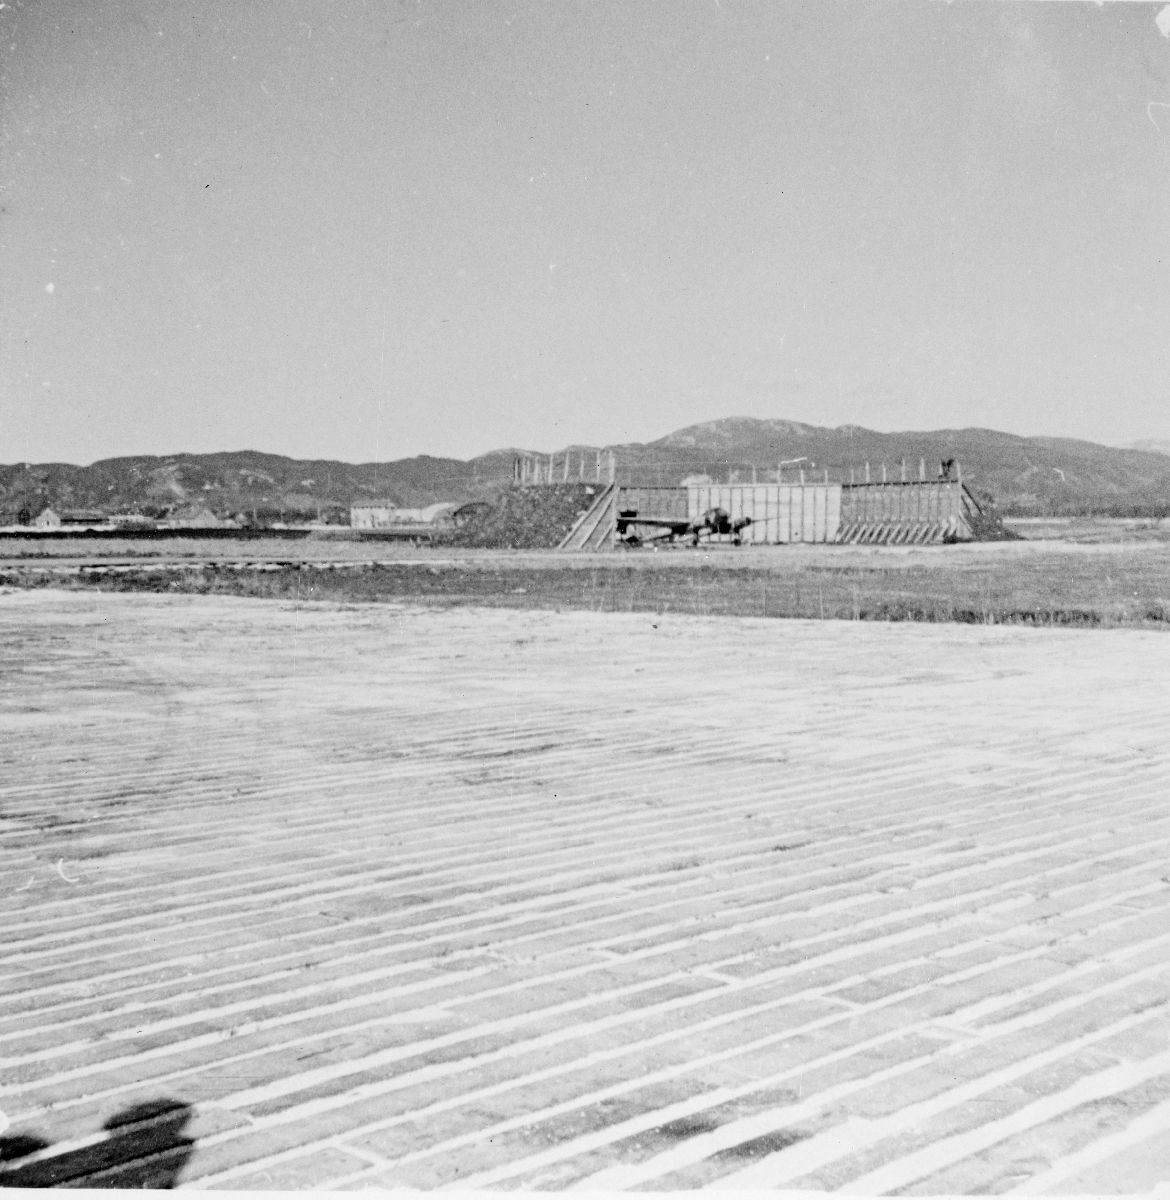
[145, 1148]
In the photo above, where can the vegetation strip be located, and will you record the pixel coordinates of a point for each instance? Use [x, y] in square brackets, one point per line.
[1041, 589]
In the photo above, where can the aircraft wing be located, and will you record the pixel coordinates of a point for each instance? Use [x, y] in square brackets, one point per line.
[658, 523]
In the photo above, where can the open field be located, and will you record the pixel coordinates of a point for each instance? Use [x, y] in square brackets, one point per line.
[340, 542]
[1089, 582]
[318, 895]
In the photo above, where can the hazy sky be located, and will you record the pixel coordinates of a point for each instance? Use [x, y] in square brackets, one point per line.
[369, 230]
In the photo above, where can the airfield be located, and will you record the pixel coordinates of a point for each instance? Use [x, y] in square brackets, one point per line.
[1085, 572]
[313, 893]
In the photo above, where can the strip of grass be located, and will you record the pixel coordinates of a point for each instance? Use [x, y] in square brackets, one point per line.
[1047, 590]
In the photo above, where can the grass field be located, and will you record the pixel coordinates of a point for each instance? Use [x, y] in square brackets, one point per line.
[1119, 588]
[1097, 574]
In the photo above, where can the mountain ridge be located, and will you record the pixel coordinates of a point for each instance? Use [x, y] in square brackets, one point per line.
[1037, 475]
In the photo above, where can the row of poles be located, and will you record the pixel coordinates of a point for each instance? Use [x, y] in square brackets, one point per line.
[949, 471]
[539, 468]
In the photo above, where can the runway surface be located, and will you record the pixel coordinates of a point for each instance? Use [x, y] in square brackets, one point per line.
[327, 896]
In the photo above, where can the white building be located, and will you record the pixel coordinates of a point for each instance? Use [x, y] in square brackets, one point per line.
[374, 514]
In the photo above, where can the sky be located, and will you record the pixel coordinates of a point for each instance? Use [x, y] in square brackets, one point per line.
[365, 231]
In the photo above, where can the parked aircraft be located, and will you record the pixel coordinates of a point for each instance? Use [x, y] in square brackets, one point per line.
[713, 521]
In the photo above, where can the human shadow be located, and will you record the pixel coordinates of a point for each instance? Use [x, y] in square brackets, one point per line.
[145, 1148]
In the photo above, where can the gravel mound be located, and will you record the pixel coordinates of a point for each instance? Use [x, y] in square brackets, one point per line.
[527, 518]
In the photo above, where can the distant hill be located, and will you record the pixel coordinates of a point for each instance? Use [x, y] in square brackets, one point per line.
[246, 482]
[1037, 475]
[1041, 476]
[1154, 445]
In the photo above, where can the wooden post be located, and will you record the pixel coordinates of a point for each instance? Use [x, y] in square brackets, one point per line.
[903, 470]
[565, 479]
[753, 473]
[884, 480]
[826, 474]
[867, 472]
[802, 485]
[922, 469]
[851, 475]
